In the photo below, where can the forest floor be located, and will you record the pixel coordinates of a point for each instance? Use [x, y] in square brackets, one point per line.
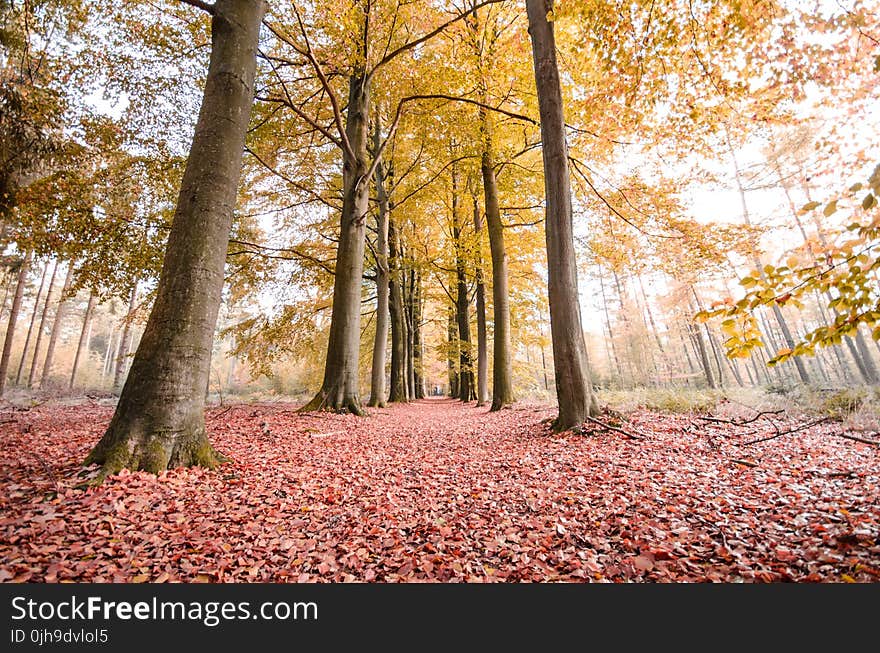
[440, 491]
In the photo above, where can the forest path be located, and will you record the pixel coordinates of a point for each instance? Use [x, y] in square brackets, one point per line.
[440, 491]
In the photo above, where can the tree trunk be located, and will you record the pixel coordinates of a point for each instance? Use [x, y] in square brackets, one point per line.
[777, 312]
[83, 338]
[159, 421]
[56, 326]
[397, 391]
[502, 376]
[410, 335]
[30, 331]
[14, 311]
[380, 344]
[482, 341]
[574, 391]
[125, 341]
[418, 366]
[452, 353]
[466, 390]
[32, 373]
[340, 389]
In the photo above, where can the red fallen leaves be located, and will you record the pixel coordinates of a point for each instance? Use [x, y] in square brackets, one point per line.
[437, 491]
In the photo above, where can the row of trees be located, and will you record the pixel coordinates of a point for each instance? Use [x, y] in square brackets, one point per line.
[400, 161]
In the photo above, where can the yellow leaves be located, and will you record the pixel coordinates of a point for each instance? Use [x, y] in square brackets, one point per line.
[869, 202]
[830, 208]
[809, 206]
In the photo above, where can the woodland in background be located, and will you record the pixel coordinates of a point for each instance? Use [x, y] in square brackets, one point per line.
[433, 105]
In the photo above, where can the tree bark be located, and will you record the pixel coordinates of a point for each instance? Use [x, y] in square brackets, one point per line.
[340, 389]
[466, 390]
[56, 326]
[159, 421]
[397, 391]
[14, 311]
[574, 392]
[482, 341]
[380, 344]
[30, 331]
[32, 373]
[502, 376]
[125, 341]
[452, 353]
[418, 362]
[83, 338]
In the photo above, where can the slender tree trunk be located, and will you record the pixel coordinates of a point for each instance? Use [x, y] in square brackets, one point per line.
[340, 389]
[32, 373]
[614, 355]
[125, 341]
[108, 351]
[159, 421]
[30, 331]
[452, 354]
[482, 340]
[83, 338]
[14, 311]
[418, 358]
[56, 326]
[410, 336]
[466, 390]
[777, 312]
[380, 344]
[502, 374]
[398, 387]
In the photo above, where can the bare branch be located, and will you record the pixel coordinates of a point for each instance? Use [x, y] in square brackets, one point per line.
[412, 44]
[198, 4]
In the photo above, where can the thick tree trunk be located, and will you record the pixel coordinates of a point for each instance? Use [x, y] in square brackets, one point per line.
[482, 341]
[340, 390]
[83, 338]
[56, 326]
[30, 331]
[397, 391]
[124, 341]
[574, 391]
[32, 373]
[466, 390]
[159, 421]
[14, 311]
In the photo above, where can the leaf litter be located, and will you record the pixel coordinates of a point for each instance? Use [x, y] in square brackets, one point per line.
[437, 491]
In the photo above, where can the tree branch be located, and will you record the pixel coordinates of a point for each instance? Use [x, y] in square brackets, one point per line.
[198, 4]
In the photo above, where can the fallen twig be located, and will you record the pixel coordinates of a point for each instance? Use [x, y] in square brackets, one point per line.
[876, 443]
[609, 427]
[741, 461]
[740, 422]
[779, 433]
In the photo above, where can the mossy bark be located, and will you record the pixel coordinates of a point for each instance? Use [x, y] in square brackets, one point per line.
[159, 421]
